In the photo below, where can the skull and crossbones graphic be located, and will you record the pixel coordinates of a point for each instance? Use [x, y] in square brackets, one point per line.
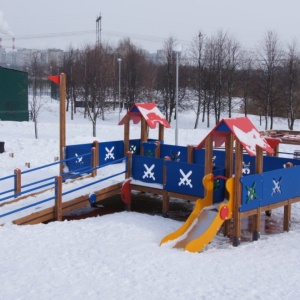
[148, 172]
[109, 153]
[185, 180]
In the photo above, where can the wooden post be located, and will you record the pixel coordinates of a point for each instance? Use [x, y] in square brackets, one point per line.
[17, 181]
[157, 149]
[287, 216]
[58, 198]
[62, 120]
[94, 162]
[129, 165]
[237, 194]
[287, 211]
[161, 132]
[228, 173]
[166, 204]
[276, 151]
[257, 218]
[229, 155]
[190, 154]
[126, 133]
[96, 145]
[144, 135]
[208, 155]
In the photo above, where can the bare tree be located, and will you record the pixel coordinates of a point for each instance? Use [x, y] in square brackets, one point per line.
[134, 72]
[292, 84]
[244, 78]
[197, 56]
[166, 79]
[36, 81]
[233, 55]
[269, 61]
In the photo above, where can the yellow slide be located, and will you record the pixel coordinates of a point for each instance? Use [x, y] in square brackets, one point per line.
[205, 220]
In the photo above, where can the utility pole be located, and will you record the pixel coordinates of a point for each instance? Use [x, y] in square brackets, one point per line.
[98, 30]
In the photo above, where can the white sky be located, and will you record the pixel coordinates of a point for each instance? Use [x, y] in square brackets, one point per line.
[147, 23]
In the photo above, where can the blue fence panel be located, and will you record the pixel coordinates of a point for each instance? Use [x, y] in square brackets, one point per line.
[274, 163]
[248, 164]
[252, 192]
[147, 169]
[80, 161]
[149, 148]
[218, 157]
[184, 178]
[176, 153]
[219, 185]
[280, 185]
[199, 156]
[110, 151]
[135, 146]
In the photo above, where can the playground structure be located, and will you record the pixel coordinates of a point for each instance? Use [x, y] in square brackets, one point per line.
[256, 182]
[227, 184]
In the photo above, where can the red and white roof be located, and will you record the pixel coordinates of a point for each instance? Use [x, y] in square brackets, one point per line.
[243, 130]
[149, 111]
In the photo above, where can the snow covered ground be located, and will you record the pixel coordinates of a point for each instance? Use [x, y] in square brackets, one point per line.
[118, 256]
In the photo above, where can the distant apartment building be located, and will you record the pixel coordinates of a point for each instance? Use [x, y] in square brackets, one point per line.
[21, 58]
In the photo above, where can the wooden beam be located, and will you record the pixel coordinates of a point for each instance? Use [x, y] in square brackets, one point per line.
[257, 217]
[161, 135]
[229, 155]
[58, 198]
[126, 133]
[228, 173]
[144, 135]
[237, 194]
[287, 217]
[208, 155]
[62, 120]
[18, 184]
[190, 154]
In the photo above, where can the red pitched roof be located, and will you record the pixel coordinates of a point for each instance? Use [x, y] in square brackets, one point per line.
[243, 130]
[149, 112]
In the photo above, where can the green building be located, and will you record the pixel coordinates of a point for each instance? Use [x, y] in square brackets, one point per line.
[13, 95]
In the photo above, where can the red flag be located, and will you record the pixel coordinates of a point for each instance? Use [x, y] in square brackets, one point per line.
[55, 79]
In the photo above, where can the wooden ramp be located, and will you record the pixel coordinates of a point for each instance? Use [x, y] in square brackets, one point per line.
[56, 213]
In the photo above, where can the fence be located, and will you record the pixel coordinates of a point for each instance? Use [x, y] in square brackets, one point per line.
[20, 192]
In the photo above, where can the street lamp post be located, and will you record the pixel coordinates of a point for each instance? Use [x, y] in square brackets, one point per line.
[119, 61]
[177, 48]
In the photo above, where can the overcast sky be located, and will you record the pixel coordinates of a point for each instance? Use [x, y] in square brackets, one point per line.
[60, 23]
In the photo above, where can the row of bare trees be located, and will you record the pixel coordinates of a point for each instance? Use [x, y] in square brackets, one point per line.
[212, 73]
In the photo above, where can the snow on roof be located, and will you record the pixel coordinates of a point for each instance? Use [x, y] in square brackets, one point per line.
[149, 112]
[243, 130]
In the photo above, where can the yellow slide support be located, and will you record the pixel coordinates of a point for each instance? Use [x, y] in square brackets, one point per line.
[203, 223]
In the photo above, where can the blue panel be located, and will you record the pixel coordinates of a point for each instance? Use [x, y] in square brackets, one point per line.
[110, 151]
[281, 185]
[248, 165]
[223, 128]
[149, 148]
[219, 158]
[252, 192]
[147, 169]
[134, 109]
[135, 146]
[219, 185]
[274, 163]
[184, 178]
[199, 156]
[176, 153]
[79, 161]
